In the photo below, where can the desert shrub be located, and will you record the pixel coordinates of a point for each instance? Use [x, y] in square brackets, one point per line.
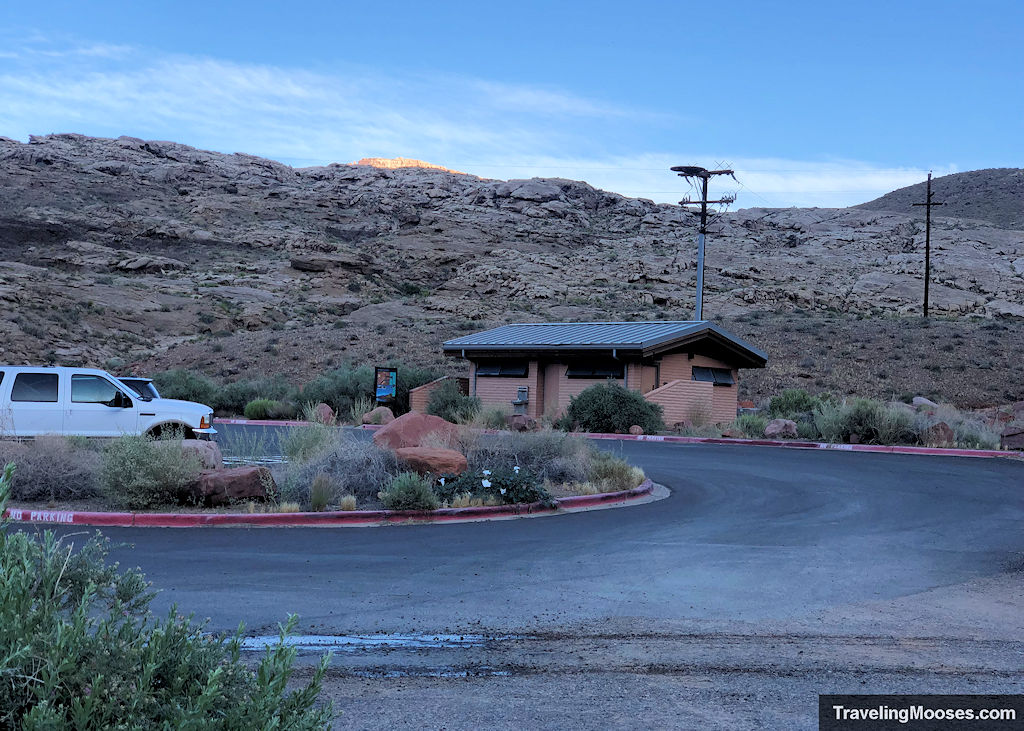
[53, 468]
[505, 485]
[871, 421]
[807, 430]
[232, 398]
[612, 473]
[971, 434]
[792, 403]
[360, 405]
[491, 417]
[409, 491]
[186, 385]
[304, 442]
[410, 377]
[612, 408]
[548, 455]
[138, 473]
[353, 466]
[448, 402]
[320, 493]
[347, 502]
[750, 425]
[339, 388]
[79, 647]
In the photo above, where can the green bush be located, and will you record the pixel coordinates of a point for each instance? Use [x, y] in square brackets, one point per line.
[258, 408]
[792, 403]
[505, 485]
[612, 408]
[186, 385]
[320, 493]
[339, 388]
[750, 425]
[492, 417]
[352, 465]
[448, 402]
[409, 491]
[138, 472]
[80, 649]
[233, 397]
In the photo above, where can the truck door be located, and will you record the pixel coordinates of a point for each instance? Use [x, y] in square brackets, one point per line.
[98, 408]
[35, 404]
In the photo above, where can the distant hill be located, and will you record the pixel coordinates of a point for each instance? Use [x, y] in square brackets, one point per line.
[393, 163]
[995, 195]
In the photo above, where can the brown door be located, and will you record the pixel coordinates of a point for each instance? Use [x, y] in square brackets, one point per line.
[551, 380]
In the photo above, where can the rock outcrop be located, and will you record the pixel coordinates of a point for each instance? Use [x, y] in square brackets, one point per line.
[433, 460]
[413, 429]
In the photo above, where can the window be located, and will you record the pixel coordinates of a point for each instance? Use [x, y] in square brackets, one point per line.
[595, 370]
[92, 390]
[504, 369]
[717, 376]
[39, 387]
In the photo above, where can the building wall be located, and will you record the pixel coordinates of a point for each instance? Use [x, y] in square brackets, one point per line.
[420, 396]
[721, 405]
[502, 391]
[682, 399]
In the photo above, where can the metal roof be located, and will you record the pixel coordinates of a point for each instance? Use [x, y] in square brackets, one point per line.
[641, 336]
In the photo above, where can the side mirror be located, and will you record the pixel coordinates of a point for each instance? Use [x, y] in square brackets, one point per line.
[120, 401]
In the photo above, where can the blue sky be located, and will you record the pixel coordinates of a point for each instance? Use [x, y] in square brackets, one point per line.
[813, 103]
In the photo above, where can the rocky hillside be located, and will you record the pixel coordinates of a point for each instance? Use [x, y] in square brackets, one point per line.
[995, 195]
[150, 254]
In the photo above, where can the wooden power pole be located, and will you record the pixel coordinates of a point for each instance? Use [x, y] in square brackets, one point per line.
[928, 203]
[688, 172]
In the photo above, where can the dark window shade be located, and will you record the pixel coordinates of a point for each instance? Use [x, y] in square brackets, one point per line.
[717, 376]
[37, 387]
[600, 370]
[504, 369]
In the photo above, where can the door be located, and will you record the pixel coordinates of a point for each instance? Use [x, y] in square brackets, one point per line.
[552, 371]
[98, 408]
[35, 404]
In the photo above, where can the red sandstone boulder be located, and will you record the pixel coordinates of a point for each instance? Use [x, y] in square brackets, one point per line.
[409, 430]
[781, 429]
[939, 435]
[431, 460]
[380, 415]
[745, 405]
[324, 414]
[1012, 437]
[636, 430]
[225, 486]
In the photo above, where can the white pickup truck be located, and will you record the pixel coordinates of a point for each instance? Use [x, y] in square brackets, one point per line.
[91, 403]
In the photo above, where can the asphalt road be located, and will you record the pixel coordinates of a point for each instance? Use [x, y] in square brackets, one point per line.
[767, 576]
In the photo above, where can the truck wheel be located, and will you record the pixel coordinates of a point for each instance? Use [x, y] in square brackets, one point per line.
[171, 431]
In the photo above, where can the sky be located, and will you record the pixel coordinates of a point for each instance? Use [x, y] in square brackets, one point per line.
[811, 103]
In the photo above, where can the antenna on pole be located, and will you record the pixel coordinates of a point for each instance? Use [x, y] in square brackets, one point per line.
[691, 172]
[928, 203]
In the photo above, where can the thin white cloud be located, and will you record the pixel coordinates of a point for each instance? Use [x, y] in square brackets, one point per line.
[305, 118]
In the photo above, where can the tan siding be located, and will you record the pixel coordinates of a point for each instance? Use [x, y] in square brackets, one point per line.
[569, 387]
[682, 400]
[678, 366]
[723, 402]
[502, 391]
[419, 396]
[648, 378]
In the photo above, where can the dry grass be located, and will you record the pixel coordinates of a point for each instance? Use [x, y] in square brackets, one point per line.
[53, 468]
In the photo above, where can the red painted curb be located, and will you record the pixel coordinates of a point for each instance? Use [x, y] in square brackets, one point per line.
[336, 518]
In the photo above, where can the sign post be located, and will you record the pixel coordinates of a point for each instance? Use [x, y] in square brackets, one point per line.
[386, 380]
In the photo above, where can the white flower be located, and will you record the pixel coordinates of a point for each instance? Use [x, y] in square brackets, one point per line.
[487, 472]
[485, 483]
[516, 469]
[442, 482]
[501, 490]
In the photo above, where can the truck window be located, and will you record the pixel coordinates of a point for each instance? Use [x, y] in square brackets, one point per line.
[86, 389]
[39, 387]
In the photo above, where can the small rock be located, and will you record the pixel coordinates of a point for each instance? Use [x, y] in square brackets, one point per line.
[207, 450]
[379, 415]
[781, 429]
[522, 422]
[225, 486]
[324, 414]
[636, 430]
[939, 435]
[431, 460]
[919, 401]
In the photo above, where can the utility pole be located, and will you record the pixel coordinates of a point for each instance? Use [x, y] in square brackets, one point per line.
[704, 175]
[928, 203]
